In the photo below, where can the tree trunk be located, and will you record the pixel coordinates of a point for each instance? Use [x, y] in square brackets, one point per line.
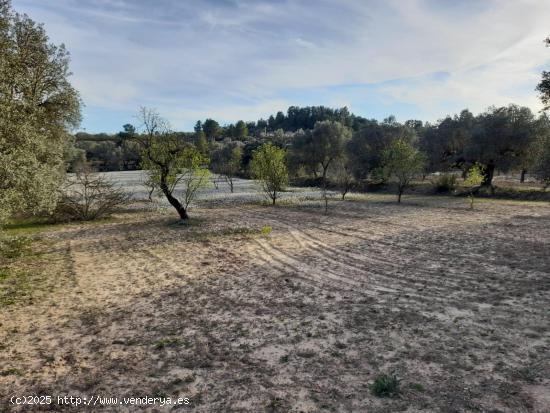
[273, 199]
[173, 201]
[325, 188]
[178, 206]
[399, 197]
[522, 177]
[488, 173]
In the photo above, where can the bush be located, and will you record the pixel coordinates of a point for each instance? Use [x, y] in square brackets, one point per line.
[445, 183]
[88, 196]
[385, 385]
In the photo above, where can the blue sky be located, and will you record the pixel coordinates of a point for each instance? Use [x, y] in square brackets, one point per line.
[243, 59]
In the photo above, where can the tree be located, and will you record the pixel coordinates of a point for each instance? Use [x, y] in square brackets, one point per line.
[202, 144]
[211, 129]
[365, 148]
[544, 86]
[226, 161]
[402, 162]
[499, 139]
[444, 142]
[541, 168]
[342, 176]
[174, 166]
[268, 166]
[241, 130]
[474, 180]
[328, 145]
[38, 108]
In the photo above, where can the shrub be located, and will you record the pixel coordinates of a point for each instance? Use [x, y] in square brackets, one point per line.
[445, 183]
[473, 181]
[88, 196]
[385, 385]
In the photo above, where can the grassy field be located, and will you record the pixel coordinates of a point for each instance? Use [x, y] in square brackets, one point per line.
[285, 309]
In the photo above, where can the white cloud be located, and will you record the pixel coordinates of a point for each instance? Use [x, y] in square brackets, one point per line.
[241, 58]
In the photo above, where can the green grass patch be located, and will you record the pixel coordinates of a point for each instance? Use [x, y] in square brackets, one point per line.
[27, 226]
[385, 385]
[266, 230]
[168, 342]
[11, 372]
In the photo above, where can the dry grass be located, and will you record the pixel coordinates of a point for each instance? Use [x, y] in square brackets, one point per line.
[301, 318]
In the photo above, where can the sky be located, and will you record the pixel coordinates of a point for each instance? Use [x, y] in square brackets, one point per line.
[243, 59]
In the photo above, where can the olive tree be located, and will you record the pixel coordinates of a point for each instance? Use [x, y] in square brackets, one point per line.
[544, 86]
[268, 166]
[38, 107]
[176, 169]
[541, 167]
[402, 162]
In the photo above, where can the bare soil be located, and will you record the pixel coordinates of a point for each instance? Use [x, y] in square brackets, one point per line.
[302, 319]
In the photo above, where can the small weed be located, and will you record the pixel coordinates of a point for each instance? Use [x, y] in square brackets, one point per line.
[11, 372]
[283, 359]
[266, 230]
[417, 387]
[385, 385]
[167, 342]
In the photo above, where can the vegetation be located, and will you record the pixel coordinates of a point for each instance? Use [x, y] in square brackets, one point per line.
[544, 86]
[474, 179]
[173, 165]
[445, 183]
[503, 139]
[87, 196]
[385, 385]
[268, 166]
[342, 177]
[402, 162]
[541, 164]
[226, 161]
[38, 108]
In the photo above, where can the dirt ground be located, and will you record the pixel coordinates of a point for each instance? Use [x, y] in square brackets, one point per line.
[302, 318]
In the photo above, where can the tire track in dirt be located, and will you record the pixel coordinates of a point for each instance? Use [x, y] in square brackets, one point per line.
[456, 278]
[373, 244]
[288, 261]
[320, 248]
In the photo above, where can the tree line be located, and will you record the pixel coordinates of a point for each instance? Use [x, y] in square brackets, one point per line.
[508, 138]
